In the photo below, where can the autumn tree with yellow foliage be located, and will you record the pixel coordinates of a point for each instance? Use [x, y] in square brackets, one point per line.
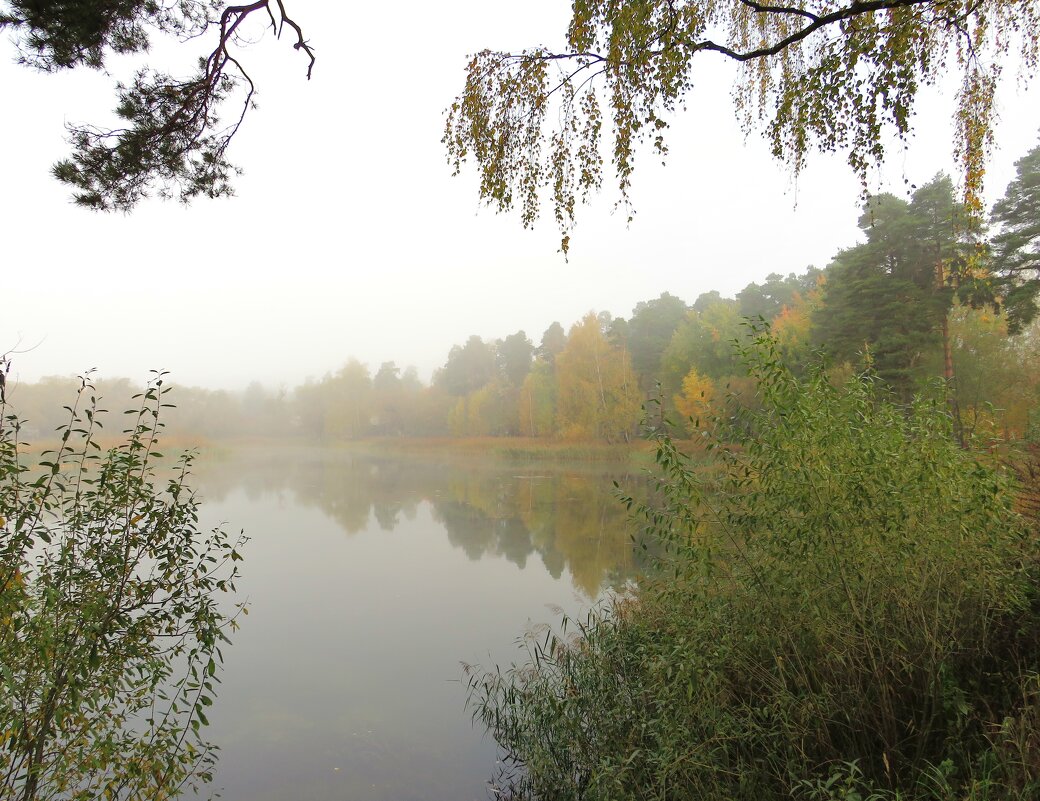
[597, 395]
[998, 376]
[695, 401]
[821, 75]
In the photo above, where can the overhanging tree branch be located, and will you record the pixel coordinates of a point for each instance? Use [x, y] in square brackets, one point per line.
[173, 143]
[816, 23]
[827, 75]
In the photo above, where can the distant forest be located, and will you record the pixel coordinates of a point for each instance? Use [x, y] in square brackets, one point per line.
[888, 302]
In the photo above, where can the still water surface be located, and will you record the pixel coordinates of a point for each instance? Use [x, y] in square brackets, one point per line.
[370, 580]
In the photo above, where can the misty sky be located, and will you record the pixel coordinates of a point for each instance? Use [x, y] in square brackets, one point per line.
[348, 236]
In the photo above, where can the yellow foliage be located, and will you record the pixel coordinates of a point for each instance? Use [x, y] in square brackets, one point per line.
[596, 393]
[698, 394]
[792, 327]
[998, 376]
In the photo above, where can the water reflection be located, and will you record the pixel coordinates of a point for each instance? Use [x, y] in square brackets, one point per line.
[369, 581]
[567, 518]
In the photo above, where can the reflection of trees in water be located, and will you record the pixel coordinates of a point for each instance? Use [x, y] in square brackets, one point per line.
[569, 519]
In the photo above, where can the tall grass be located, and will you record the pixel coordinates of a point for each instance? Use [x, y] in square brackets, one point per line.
[849, 610]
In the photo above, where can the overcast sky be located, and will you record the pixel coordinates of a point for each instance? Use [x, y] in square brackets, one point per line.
[349, 237]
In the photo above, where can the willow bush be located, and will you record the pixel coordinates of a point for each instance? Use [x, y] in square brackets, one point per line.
[848, 610]
[113, 609]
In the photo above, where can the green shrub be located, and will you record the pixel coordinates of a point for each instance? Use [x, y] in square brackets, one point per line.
[111, 620]
[848, 611]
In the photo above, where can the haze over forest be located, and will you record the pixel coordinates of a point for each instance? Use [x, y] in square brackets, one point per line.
[349, 237]
[588, 379]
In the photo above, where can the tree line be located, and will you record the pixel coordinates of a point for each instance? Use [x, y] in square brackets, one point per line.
[926, 296]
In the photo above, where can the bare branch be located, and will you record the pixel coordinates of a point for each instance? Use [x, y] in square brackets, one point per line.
[301, 43]
[172, 138]
[764, 9]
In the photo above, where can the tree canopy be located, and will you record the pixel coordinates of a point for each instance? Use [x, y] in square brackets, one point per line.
[817, 74]
[892, 293]
[173, 138]
[649, 332]
[1016, 246]
[769, 298]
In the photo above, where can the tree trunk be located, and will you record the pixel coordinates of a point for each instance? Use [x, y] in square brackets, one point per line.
[948, 374]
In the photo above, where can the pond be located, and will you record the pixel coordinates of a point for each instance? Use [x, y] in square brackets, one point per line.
[370, 581]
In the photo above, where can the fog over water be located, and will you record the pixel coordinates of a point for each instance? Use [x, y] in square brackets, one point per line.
[370, 581]
[348, 237]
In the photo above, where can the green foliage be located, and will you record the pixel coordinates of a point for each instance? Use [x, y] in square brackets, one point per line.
[891, 294]
[648, 333]
[513, 357]
[168, 142]
[1016, 248]
[348, 401]
[848, 611]
[824, 74]
[998, 376]
[703, 341]
[554, 339]
[468, 368]
[538, 401]
[113, 612]
[768, 299]
[64, 35]
[492, 410]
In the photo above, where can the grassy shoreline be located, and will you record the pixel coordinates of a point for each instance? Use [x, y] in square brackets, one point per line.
[635, 454]
[510, 448]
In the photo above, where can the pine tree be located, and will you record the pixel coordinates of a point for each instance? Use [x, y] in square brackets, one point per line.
[1016, 248]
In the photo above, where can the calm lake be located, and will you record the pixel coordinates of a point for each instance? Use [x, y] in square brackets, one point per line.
[370, 580]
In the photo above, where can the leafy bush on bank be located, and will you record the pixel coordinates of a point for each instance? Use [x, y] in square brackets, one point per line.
[112, 614]
[849, 610]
